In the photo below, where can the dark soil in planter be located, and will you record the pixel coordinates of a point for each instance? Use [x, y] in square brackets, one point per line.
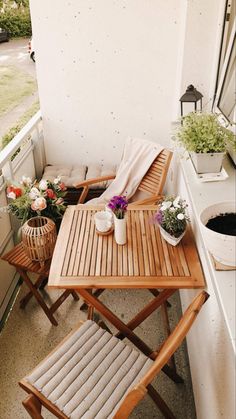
[223, 223]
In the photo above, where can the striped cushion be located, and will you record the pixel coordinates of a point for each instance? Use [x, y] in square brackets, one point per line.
[90, 374]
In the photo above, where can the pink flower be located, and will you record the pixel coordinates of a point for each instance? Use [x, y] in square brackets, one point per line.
[39, 204]
[62, 186]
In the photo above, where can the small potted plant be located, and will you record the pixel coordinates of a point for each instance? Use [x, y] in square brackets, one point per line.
[118, 205]
[172, 219]
[205, 139]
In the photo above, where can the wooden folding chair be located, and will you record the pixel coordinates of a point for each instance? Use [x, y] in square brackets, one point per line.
[152, 183]
[94, 374]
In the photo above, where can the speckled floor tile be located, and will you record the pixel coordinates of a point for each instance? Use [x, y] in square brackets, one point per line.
[28, 337]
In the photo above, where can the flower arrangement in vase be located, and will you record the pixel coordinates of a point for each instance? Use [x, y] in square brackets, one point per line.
[172, 219]
[32, 198]
[118, 205]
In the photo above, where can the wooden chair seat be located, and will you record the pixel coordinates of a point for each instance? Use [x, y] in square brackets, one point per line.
[94, 374]
[91, 372]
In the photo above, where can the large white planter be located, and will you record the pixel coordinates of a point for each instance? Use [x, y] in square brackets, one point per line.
[171, 239]
[207, 162]
[232, 153]
[120, 230]
[221, 246]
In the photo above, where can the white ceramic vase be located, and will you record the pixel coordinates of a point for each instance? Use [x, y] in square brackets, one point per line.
[120, 230]
[171, 239]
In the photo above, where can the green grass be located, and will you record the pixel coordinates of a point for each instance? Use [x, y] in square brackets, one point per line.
[14, 86]
[19, 124]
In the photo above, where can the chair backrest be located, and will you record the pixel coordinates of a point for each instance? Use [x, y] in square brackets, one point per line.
[166, 351]
[154, 180]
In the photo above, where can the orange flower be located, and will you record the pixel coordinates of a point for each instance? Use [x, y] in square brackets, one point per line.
[50, 194]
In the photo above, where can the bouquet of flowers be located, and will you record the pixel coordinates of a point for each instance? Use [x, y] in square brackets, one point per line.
[30, 199]
[172, 216]
[118, 205]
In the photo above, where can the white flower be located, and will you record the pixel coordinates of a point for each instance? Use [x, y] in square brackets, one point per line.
[11, 195]
[34, 193]
[39, 204]
[57, 180]
[180, 216]
[43, 184]
[165, 205]
[27, 181]
[172, 209]
[176, 202]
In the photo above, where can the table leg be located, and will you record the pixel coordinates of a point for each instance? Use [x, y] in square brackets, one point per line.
[24, 301]
[113, 319]
[126, 331]
[38, 297]
[148, 310]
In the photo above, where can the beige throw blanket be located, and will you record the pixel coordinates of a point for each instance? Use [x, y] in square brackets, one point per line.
[138, 155]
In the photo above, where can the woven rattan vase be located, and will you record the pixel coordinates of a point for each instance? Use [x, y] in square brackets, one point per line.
[39, 238]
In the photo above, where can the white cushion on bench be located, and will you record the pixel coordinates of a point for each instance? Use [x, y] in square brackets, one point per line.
[70, 175]
[98, 170]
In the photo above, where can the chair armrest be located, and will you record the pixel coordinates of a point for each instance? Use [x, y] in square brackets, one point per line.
[148, 201]
[94, 180]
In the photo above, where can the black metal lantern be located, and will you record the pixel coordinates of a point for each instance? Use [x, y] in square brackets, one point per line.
[191, 95]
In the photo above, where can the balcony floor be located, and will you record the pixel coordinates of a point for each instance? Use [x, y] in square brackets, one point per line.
[28, 337]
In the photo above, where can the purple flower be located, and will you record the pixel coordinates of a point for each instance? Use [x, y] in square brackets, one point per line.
[118, 205]
[159, 217]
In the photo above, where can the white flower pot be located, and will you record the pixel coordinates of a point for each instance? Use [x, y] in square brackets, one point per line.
[221, 246]
[171, 239]
[207, 162]
[120, 230]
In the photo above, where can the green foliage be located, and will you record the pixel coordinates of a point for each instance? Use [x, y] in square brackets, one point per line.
[19, 125]
[16, 21]
[203, 133]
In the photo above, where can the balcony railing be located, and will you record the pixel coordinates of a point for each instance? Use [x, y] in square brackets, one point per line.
[24, 155]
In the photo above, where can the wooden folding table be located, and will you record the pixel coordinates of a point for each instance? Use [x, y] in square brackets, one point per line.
[84, 260]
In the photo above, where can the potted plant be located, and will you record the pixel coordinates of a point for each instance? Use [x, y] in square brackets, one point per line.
[205, 139]
[172, 219]
[118, 205]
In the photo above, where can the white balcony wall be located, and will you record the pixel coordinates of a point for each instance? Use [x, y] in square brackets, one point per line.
[111, 69]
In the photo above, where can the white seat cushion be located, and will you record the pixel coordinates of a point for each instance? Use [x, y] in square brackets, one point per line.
[98, 170]
[90, 374]
[70, 175]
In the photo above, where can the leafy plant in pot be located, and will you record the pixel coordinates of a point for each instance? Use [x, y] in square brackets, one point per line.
[205, 139]
[172, 219]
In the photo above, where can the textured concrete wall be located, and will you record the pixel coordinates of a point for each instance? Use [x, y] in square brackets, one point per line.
[106, 70]
[111, 69]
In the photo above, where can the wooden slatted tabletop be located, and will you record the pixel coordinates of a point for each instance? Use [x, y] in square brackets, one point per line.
[84, 259]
